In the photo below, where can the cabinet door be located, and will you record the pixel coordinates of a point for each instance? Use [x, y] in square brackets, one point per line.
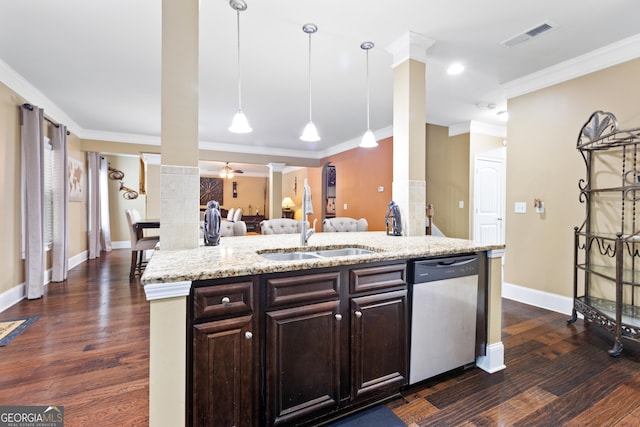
[378, 343]
[223, 387]
[302, 361]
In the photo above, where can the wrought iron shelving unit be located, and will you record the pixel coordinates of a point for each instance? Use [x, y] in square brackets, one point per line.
[607, 244]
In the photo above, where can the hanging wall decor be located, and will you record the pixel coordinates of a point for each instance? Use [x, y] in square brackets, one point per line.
[211, 189]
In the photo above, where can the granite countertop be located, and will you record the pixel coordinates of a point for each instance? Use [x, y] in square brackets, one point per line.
[240, 255]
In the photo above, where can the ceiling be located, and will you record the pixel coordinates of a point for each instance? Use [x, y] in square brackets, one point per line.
[95, 65]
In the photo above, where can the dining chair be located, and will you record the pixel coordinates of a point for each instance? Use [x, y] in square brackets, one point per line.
[138, 245]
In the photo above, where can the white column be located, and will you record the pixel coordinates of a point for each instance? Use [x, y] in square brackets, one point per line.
[275, 190]
[179, 173]
[409, 130]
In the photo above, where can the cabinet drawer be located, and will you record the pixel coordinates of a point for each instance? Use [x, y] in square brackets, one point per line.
[302, 289]
[374, 278]
[223, 300]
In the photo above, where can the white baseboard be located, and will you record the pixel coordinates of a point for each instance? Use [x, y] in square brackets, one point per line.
[494, 359]
[16, 294]
[11, 296]
[124, 244]
[546, 300]
[76, 260]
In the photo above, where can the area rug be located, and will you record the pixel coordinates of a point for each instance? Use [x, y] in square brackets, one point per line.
[9, 329]
[378, 416]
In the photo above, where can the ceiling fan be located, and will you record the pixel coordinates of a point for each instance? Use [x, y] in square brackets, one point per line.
[227, 172]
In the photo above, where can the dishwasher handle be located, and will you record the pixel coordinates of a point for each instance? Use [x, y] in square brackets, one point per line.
[451, 263]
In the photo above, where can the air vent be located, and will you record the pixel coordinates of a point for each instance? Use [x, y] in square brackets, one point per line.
[543, 28]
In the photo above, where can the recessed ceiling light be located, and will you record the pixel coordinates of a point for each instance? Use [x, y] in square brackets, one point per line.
[455, 68]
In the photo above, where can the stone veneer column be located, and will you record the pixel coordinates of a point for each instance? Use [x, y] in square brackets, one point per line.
[179, 173]
[275, 190]
[409, 130]
[179, 210]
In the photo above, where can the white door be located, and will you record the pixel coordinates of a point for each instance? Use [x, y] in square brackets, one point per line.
[488, 193]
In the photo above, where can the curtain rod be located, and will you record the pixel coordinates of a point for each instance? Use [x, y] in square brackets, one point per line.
[30, 108]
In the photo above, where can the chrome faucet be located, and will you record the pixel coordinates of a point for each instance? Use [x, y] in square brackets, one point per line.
[307, 209]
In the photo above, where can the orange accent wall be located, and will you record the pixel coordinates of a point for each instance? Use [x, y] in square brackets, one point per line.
[359, 173]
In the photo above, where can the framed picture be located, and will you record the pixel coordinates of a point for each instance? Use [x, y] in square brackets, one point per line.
[75, 172]
[211, 189]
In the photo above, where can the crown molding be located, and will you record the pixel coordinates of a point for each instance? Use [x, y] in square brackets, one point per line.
[33, 95]
[608, 56]
[410, 45]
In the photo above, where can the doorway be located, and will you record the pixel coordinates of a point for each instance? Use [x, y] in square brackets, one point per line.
[489, 200]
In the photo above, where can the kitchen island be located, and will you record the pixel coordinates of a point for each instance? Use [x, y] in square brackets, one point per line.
[261, 295]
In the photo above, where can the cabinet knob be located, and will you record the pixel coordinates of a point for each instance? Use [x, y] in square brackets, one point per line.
[338, 316]
[226, 300]
[358, 313]
[248, 335]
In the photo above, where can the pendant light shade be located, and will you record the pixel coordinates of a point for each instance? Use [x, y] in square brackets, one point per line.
[368, 139]
[310, 133]
[240, 124]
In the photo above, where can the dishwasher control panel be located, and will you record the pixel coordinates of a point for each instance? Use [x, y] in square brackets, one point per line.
[433, 269]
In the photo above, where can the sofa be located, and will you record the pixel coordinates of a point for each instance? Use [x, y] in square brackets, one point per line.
[342, 224]
[280, 226]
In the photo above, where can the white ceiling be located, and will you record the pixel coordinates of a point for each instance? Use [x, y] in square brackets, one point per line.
[95, 65]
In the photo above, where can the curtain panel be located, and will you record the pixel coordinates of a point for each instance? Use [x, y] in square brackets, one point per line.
[32, 154]
[60, 185]
[93, 159]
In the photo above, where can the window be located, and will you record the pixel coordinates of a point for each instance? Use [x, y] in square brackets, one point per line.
[48, 199]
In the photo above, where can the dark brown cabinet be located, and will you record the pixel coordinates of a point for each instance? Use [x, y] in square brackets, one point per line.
[224, 347]
[302, 361]
[378, 343]
[311, 345]
[330, 347]
[223, 353]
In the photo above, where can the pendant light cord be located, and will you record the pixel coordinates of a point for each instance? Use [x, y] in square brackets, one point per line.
[310, 77]
[368, 127]
[239, 82]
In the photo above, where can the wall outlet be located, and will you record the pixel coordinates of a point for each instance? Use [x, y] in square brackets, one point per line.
[520, 207]
[380, 189]
[345, 206]
[461, 204]
[540, 208]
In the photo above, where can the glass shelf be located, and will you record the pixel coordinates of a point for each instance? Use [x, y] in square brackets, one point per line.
[630, 313]
[629, 277]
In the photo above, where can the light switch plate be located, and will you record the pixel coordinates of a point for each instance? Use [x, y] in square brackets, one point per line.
[520, 207]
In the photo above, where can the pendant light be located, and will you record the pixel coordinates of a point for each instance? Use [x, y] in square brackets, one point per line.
[368, 139]
[310, 133]
[240, 124]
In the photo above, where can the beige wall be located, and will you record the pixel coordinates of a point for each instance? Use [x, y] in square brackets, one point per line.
[130, 165]
[292, 186]
[542, 162]
[252, 192]
[448, 161]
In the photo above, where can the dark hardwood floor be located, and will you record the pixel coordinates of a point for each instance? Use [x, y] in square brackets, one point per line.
[556, 375]
[89, 352]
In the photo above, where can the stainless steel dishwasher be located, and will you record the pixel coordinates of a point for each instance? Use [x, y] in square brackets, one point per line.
[444, 307]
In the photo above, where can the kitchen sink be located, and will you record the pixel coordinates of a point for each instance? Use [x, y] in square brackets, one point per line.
[290, 256]
[344, 252]
[323, 253]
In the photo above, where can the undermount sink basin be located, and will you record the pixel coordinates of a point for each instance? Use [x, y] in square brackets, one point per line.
[290, 256]
[324, 253]
[344, 252]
